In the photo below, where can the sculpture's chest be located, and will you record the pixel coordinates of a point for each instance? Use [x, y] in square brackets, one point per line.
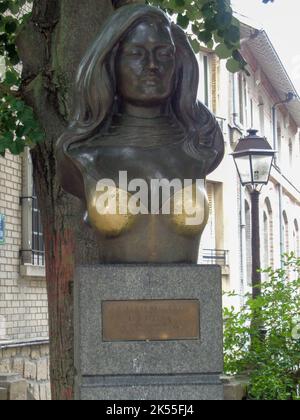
[146, 163]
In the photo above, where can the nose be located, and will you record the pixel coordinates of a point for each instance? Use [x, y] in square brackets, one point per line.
[152, 62]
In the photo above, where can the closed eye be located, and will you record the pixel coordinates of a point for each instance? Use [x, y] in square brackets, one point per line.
[134, 53]
[165, 52]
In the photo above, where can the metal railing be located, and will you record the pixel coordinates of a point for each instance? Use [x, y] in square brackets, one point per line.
[36, 254]
[32, 257]
[215, 256]
[222, 123]
[38, 248]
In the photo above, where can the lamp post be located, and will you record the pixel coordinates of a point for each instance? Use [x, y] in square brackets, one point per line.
[253, 157]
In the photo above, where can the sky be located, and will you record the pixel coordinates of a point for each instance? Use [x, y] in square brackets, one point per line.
[281, 21]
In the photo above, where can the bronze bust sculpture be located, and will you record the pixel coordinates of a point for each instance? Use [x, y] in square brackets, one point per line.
[136, 112]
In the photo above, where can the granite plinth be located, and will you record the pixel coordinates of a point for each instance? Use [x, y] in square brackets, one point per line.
[148, 370]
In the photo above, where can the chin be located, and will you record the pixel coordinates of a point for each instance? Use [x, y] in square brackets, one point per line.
[150, 99]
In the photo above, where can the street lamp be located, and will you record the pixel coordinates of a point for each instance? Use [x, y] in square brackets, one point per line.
[253, 157]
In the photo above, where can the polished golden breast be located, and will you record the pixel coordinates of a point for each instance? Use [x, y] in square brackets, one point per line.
[114, 211]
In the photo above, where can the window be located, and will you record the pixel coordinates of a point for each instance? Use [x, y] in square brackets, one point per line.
[206, 80]
[241, 102]
[204, 86]
[268, 250]
[32, 252]
[286, 233]
[38, 250]
[296, 239]
[208, 240]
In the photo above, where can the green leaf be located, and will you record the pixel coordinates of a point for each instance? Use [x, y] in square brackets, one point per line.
[11, 27]
[233, 66]
[223, 20]
[183, 21]
[11, 78]
[15, 6]
[210, 44]
[3, 6]
[37, 137]
[12, 54]
[205, 36]
[211, 24]
[193, 13]
[8, 137]
[195, 29]
[17, 147]
[20, 131]
[218, 39]
[233, 34]
[195, 45]
[235, 22]
[19, 106]
[223, 51]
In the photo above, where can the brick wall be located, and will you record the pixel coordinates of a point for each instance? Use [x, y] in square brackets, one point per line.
[23, 300]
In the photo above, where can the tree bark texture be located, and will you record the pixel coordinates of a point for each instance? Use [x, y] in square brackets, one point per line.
[51, 46]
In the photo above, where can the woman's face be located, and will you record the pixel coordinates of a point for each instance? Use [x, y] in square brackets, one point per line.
[146, 65]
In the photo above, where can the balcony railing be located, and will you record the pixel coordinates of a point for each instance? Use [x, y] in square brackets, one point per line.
[215, 257]
[222, 123]
[35, 255]
[32, 257]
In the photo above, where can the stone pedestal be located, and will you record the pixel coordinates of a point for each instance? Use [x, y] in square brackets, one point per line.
[148, 332]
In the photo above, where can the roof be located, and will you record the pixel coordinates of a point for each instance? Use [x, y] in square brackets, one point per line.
[264, 52]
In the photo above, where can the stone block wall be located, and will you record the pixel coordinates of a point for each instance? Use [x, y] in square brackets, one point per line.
[31, 362]
[13, 387]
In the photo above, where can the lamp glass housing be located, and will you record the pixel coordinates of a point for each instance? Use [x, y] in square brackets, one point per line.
[254, 168]
[253, 158]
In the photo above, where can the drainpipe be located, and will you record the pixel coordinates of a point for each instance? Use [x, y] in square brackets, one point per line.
[289, 97]
[280, 194]
[242, 220]
[279, 187]
[275, 140]
[242, 243]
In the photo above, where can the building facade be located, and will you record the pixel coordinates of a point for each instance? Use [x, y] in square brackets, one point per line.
[24, 347]
[240, 102]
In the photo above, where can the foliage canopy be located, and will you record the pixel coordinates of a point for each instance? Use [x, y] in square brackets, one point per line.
[270, 355]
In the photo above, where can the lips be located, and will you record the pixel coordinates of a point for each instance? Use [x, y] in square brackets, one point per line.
[151, 80]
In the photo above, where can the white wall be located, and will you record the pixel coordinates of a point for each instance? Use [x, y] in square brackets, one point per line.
[229, 210]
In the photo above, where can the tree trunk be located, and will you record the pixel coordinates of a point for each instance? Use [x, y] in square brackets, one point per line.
[51, 46]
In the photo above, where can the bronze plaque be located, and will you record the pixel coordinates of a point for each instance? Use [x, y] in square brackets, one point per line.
[151, 320]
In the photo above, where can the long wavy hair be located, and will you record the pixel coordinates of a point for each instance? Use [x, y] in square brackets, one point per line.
[96, 96]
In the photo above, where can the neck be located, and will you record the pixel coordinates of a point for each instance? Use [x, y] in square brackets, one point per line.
[145, 112]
